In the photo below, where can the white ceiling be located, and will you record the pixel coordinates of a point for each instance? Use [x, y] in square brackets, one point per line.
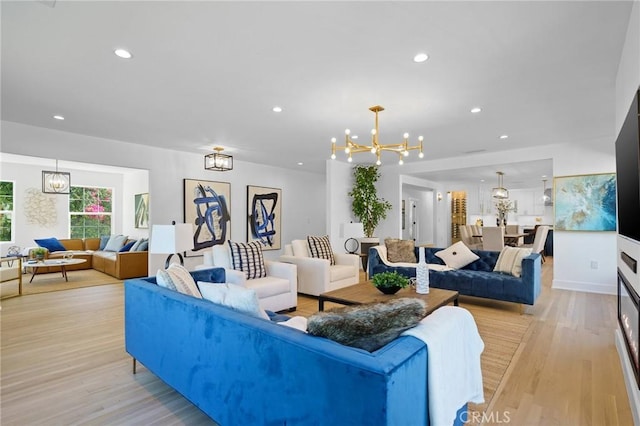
[208, 73]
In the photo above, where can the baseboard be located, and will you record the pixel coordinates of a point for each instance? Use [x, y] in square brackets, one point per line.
[585, 287]
[629, 378]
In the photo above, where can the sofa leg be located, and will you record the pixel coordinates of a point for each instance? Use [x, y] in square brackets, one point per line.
[134, 365]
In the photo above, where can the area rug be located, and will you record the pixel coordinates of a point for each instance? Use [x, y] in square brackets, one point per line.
[54, 281]
[502, 328]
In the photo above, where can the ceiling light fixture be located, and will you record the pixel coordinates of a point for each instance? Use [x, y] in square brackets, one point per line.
[218, 161]
[351, 147]
[277, 109]
[123, 53]
[58, 117]
[476, 110]
[420, 57]
[56, 182]
[500, 192]
[504, 136]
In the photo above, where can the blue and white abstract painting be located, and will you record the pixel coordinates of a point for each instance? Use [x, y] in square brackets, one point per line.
[585, 203]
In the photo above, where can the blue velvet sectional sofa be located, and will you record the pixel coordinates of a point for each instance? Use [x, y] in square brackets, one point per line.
[242, 370]
[476, 279]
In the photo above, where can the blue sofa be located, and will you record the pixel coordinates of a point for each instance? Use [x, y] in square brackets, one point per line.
[476, 279]
[242, 370]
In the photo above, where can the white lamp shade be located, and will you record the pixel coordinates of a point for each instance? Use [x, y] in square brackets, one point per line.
[352, 230]
[169, 239]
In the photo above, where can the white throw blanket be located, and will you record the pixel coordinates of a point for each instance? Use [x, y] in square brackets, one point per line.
[454, 347]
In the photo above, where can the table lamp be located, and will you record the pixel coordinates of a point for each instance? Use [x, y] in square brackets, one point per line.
[171, 239]
[352, 231]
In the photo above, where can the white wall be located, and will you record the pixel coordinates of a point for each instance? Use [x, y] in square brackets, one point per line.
[303, 201]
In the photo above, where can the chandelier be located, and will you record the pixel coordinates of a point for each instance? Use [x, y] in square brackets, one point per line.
[351, 147]
[218, 161]
[500, 192]
[56, 182]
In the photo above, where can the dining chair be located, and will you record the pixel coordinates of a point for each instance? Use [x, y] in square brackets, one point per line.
[539, 240]
[492, 238]
[513, 229]
[467, 237]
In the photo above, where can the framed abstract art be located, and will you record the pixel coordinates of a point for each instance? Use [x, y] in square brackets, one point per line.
[207, 208]
[585, 202]
[264, 218]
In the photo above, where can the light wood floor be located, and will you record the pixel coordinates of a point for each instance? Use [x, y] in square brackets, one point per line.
[62, 362]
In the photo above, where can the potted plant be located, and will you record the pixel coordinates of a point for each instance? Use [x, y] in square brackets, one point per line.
[389, 282]
[365, 204]
[39, 253]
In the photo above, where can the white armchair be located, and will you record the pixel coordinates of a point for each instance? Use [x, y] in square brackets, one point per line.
[277, 291]
[316, 275]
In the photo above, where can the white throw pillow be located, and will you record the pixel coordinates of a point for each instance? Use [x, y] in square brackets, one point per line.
[457, 255]
[233, 296]
[182, 280]
[115, 243]
[248, 258]
[510, 260]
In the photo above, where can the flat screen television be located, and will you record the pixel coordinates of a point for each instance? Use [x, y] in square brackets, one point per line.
[628, 174]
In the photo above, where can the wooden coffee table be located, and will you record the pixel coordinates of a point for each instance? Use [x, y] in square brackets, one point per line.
[367, 293]
[62, 263]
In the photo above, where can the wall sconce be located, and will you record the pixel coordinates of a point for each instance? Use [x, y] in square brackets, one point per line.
[439, 196]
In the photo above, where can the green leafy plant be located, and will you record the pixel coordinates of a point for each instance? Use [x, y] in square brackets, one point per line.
[39, 252]
[365, 204]
[390, 279]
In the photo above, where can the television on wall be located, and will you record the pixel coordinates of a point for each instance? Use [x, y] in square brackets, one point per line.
[628, 173]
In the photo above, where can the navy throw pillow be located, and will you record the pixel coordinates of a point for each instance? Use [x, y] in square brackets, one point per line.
[127, 246]
[52, 244]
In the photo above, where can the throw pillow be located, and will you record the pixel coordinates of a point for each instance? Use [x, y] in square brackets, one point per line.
[368, 326]
[52, 244]
[247, 257]
[163, 279]
[144, 246]
[320, 247]
[104, 239]
[127, 247]
[233, 296]
[400, 250]
[178, 278]
[457, 255]
[136, 244]
[510, 260]
[115, 242]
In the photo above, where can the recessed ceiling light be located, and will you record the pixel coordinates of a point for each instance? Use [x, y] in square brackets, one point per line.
[277, 109]
[504, 136]
[354, 137]
[301, 164]
[420, 57]
[58, 117]
[481, 180]
[544, 176]
[123, 53]
[476, 110]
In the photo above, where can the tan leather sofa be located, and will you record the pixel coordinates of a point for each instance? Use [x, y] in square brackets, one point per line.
[122, 265]
[119, 265]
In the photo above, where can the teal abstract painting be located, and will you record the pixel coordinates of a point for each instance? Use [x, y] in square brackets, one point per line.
[585, 203]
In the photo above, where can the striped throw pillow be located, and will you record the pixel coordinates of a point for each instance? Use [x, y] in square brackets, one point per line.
[247, 257]
[320, 247]
[176, 277]
[510, 260]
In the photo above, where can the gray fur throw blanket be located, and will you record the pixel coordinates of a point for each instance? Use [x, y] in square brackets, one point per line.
[368, 326]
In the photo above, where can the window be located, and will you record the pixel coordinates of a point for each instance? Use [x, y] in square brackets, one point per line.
[6, 211]
[90, 211]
